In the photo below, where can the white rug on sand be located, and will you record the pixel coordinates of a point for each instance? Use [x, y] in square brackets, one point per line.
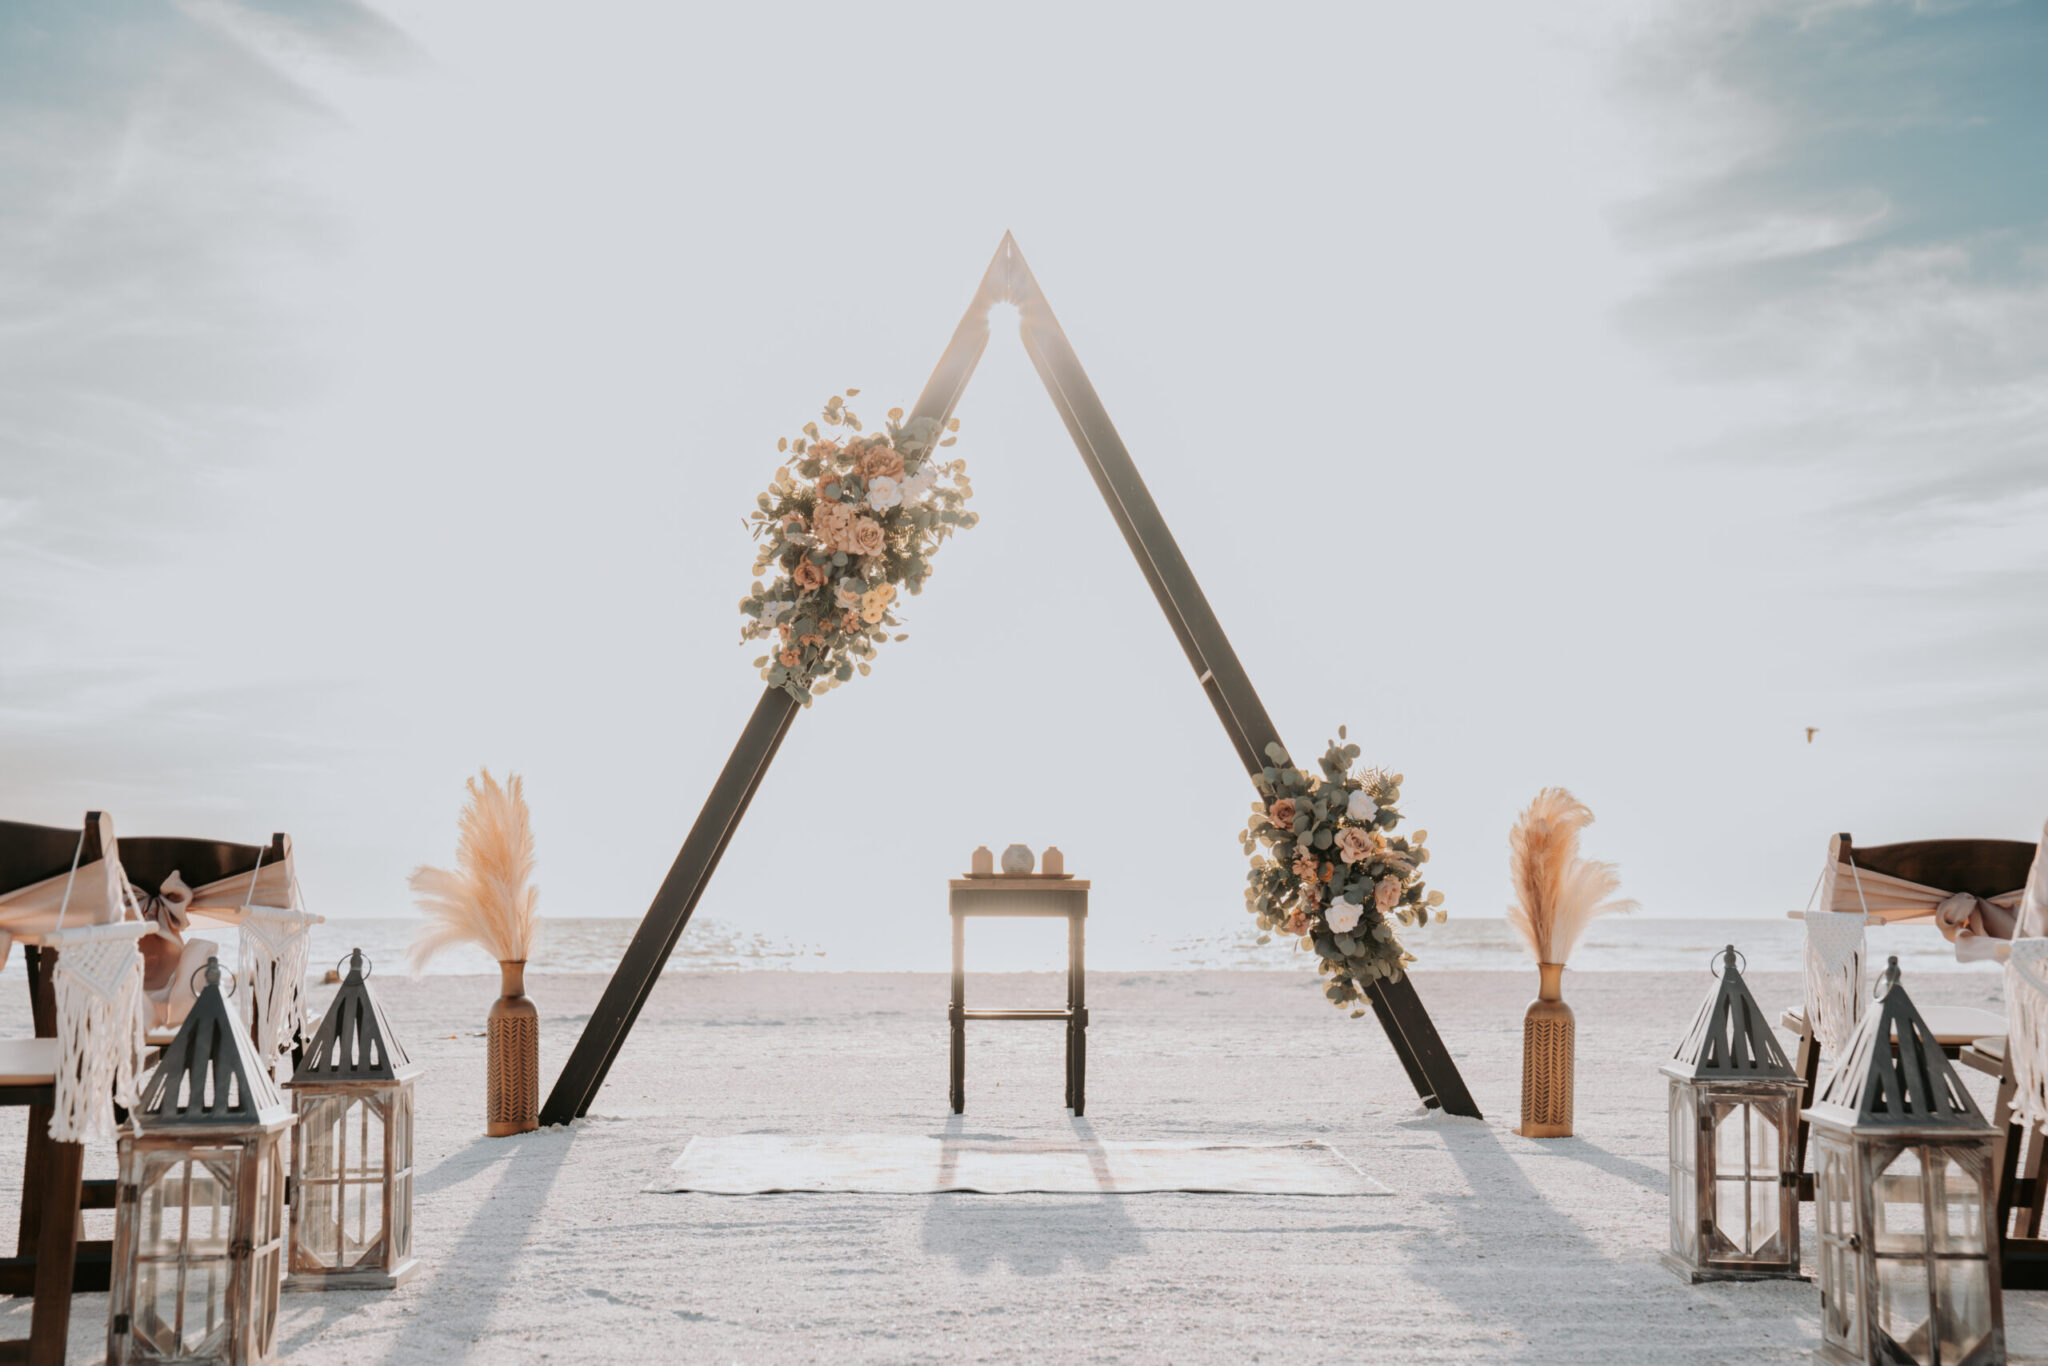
[912, 1164]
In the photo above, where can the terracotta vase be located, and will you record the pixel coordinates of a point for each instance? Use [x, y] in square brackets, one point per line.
[512, 1071]
[1547, 1043]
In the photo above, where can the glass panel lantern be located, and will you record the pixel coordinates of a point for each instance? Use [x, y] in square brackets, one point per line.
[352, 1151]
[1734, 1112]
[1908, 1266]
[199, 1227]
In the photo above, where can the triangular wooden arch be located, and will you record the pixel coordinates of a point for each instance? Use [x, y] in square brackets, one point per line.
[1244, 718]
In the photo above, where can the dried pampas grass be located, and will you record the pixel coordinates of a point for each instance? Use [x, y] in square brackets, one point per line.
[1557, 893]
[486, 901]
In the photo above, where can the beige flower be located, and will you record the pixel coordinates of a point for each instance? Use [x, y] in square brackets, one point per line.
[866, 538]
[1305, 867]
[1353, 844]
[872, 607]
[1387, 894]
[808, 575]
[1297, 924]
[845, 596]
[833, 523]
[1282, 813]
[881, 462]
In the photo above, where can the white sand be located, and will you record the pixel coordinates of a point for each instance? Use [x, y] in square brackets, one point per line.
[1493, 1249]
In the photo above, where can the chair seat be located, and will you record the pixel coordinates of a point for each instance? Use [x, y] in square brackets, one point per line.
[28, 1062]
[1962, 1024]
[1952, 1025]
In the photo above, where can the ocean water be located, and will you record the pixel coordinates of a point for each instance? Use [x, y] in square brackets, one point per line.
[1614, 944]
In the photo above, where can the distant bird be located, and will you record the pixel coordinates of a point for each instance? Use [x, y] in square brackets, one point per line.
[1809, 733]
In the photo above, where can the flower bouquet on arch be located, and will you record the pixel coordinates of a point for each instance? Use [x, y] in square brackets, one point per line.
[1328, 869]
[844, 524]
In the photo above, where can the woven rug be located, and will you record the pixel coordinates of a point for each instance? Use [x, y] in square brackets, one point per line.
[898, 1164]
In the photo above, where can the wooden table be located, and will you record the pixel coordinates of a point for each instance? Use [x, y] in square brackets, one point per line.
[1023, 897]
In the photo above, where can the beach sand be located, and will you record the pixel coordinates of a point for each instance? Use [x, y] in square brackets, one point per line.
[1494, 1248]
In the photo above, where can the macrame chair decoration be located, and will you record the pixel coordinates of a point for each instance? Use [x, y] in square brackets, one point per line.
[184, 882]
[63, 895]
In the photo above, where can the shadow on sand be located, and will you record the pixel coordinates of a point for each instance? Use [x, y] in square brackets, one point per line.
[1033, 1235]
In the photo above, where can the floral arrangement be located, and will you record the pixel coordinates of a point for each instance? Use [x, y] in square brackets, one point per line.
[1328, 869]
[846, 523]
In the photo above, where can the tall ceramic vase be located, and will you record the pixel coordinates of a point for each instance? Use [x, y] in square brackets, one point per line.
[512, 1081]
[1547, 1030]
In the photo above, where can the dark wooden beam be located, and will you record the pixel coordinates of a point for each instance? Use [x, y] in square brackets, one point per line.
[1221, 676]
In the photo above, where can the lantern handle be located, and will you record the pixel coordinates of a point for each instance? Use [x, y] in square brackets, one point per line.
[213, 972]
[1726, 958]
[357, 960]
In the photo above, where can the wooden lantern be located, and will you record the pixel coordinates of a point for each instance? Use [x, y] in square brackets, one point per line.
[1908, 1247]
[199, 1227]
[352, 1151]
[1734, 1113]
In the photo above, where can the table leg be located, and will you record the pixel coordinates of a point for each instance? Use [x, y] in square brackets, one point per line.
[958, 1093]
[1077, 1028]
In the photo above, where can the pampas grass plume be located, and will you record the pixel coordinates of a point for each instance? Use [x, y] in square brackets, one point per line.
[486, 900]
[1557, 893]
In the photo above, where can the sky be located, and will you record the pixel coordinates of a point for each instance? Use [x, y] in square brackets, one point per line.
[1593, 395]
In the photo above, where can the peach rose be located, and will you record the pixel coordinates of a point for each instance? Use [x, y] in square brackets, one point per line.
[1387, 894]
[1353, 844]
[808, 575]
[1282, 813]
[881, 461]
[866, 538]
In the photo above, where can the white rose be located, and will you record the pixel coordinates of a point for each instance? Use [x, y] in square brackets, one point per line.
[1342, 917]
[884, 493]
[923, 482]
[1361, 808]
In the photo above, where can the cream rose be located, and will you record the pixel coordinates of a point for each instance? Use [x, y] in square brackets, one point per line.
[884, 493]
[1361, 808]
[1353, 844]
[866, 537]
[1343, 915]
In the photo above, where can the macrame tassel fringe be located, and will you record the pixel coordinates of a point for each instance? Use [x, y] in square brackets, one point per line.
[1834, 977]
[99, 1037]
[2026, 1008]
[272, 965]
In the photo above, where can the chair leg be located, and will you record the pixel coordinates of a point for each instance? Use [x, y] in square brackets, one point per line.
[1809, 1075]
[2030, 1216]
[56, 1250]
[36, 1179]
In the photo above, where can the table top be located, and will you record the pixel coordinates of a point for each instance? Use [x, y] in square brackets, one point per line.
[1018, 884]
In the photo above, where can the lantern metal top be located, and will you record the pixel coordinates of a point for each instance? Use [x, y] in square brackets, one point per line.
[355, 1041]
[211, 1075]
[1893, 1075]
[1731, 1039]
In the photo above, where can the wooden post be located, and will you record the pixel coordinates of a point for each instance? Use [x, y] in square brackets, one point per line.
[958, 1072]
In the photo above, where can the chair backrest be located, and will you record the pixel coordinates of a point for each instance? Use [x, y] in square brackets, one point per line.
[35, 853]
[1983, 868]
[150, 859]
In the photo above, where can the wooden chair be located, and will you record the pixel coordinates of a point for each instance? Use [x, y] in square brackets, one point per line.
[1892, 883]
[223, 877]
[50, 1261]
